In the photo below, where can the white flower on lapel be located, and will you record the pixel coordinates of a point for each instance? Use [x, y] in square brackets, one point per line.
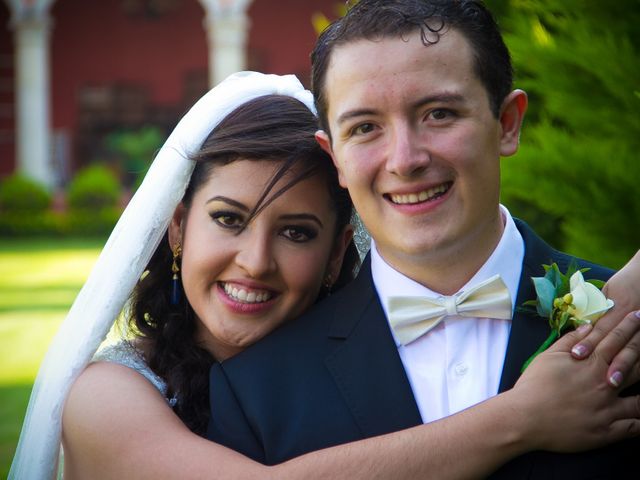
[588, 303]
[567, 300]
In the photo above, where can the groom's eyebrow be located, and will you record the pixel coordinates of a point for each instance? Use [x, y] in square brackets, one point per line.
[444, 97]
[351, 114]
[440, 97]
[230, 201]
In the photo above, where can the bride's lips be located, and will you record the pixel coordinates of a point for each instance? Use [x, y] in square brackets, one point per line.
[242, 297]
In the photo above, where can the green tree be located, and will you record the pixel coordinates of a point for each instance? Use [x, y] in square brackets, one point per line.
[576, 174]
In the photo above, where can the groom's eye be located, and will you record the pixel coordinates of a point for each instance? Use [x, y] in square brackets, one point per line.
[440, 114]
[362, 129]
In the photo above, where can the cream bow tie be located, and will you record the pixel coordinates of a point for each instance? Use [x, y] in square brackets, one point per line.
[412, 317]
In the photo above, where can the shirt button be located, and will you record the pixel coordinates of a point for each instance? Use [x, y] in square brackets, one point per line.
[461, 369]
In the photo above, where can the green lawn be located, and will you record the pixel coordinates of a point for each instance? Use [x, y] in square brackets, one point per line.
[38, 281]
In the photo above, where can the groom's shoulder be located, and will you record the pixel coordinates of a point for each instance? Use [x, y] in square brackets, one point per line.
[310, 335]
[539, 252]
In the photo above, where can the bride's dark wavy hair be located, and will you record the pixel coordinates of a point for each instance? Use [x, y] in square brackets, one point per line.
[269, 128]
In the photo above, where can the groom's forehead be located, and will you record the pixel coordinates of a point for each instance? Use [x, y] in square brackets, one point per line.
[376, 48]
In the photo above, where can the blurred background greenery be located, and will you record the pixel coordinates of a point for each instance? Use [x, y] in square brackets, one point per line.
[575, 175]
[40, 278]
[573, 180]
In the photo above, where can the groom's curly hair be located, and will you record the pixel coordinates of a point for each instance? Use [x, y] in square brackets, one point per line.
[271, 128]
[376, 20]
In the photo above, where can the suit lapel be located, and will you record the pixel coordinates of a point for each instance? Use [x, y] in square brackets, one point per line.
[528, 332]
[365, 364]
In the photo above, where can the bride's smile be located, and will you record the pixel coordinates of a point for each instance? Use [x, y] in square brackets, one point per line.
[244, 279]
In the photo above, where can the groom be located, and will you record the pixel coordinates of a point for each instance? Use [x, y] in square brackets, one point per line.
[416, 105]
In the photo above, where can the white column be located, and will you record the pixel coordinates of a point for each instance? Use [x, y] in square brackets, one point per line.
[227, 26]
[32, 97]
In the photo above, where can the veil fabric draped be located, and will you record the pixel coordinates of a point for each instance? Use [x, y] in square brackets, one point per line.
[122, 262]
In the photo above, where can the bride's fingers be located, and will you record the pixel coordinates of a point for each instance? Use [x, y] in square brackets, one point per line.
[623, 430]
[627, 408]
[601, 330]
[625, 366]
[628, 414]
[609, 341]
[567, 341]
[629, 379]
[621, 337]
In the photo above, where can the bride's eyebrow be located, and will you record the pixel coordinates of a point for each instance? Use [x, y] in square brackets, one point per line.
[302, 216]
[230, 201]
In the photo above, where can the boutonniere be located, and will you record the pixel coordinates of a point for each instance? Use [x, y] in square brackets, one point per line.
[567, 300]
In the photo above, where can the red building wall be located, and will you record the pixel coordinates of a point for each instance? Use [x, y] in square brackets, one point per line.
[147, 61]
[7, 113]
[98, 43]
[128, 60]
[282, 35]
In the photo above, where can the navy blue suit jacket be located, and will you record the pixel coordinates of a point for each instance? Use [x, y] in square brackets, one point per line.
[334, 376]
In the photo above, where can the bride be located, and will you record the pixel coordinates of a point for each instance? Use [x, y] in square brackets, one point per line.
[264, 221]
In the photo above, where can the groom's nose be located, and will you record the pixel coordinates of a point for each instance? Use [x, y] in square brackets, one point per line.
[406, 153]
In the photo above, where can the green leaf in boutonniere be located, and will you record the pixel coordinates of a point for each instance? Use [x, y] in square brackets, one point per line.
[567, 300]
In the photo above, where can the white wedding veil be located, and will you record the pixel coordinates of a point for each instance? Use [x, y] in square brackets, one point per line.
[122, 262]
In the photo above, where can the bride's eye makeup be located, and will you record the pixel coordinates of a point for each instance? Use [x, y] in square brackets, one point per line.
[227, 212]
[227, 219]
[299, 233]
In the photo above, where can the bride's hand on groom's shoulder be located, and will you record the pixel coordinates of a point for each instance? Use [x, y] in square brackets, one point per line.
[619, 329]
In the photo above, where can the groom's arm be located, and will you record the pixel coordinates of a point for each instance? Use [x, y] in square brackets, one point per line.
[228, 424]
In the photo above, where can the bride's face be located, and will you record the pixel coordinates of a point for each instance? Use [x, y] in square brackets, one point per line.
[243, 285]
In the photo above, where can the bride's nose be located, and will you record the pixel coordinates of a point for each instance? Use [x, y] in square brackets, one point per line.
[255, 253]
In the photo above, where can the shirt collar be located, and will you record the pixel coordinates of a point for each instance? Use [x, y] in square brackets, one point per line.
[506, 260]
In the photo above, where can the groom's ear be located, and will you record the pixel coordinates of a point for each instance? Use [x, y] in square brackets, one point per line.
[324, 141]
[512, 113]
[176, 226]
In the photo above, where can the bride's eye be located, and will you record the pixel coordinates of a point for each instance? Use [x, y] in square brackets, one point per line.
[229, 220]
[299, 234]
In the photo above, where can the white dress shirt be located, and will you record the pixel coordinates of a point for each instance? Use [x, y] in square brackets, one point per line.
[458, 363]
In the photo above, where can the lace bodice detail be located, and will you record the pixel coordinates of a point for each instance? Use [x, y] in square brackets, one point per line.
[124, 353]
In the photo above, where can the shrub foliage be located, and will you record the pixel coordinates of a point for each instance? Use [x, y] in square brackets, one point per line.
[24, 205]
[575, 175]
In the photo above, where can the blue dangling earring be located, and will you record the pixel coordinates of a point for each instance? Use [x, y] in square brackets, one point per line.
[175, 280]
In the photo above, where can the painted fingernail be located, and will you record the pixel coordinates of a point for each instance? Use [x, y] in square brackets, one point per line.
[637, 313]
[579, 351]
[616, 379]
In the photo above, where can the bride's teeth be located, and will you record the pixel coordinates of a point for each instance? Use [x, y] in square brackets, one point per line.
[241, 295]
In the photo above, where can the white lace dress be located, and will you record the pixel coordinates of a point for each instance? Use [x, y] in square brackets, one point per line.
[124, 353]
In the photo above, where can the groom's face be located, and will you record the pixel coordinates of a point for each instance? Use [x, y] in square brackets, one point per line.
[416, 143]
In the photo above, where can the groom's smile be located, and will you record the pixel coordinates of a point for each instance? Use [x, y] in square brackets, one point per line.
[418, 146]
[419, 196]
